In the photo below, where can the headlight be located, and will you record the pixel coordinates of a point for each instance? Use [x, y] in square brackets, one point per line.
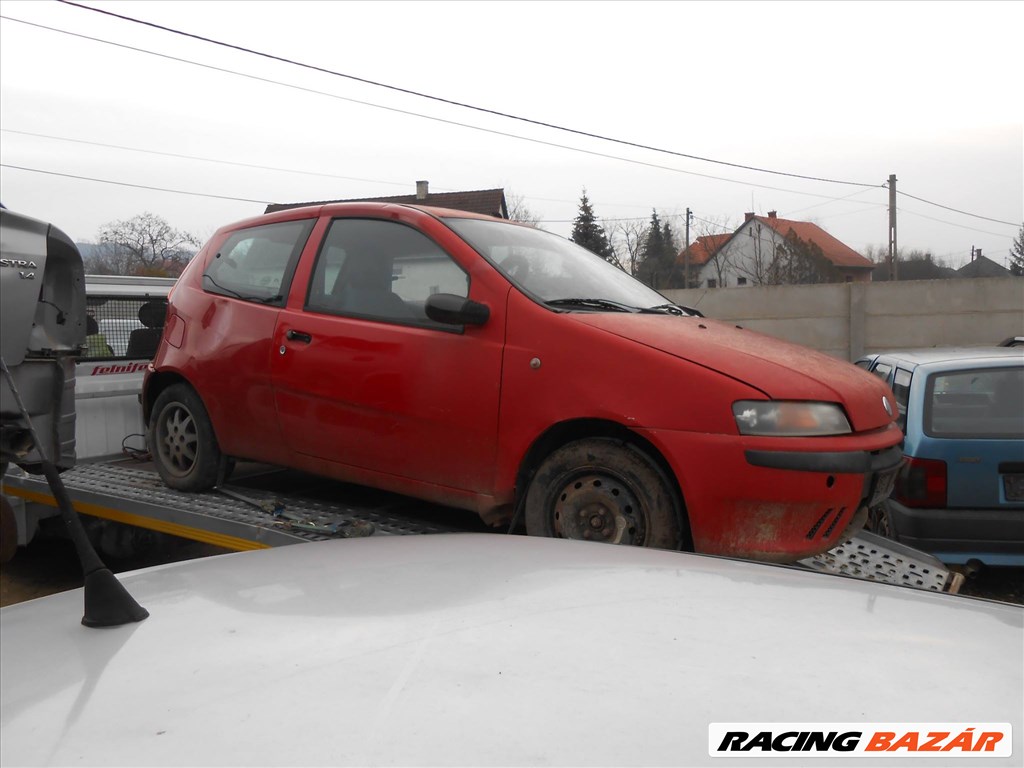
[789, 419]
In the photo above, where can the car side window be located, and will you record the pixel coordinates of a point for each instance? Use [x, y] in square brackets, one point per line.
[901, 388]
[256, 264]
[381, 270]
[882, 371]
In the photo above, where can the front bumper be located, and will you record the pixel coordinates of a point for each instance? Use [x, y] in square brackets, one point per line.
[774, 499]
[993, 536]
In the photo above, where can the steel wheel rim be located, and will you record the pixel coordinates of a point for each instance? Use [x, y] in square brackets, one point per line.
[178, 439]
[598, 506]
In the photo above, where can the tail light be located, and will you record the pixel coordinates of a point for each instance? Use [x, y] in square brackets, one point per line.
[921, 483]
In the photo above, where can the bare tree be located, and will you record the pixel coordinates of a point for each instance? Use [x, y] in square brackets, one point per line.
[720, 260]
[146, 245]
[627, 238]
[519, 212]
[785, 261]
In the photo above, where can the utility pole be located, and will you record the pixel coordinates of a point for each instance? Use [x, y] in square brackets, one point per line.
[686, 251]
[892, 227]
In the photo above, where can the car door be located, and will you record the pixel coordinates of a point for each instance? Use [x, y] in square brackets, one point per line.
[232, 322]
[363, 379]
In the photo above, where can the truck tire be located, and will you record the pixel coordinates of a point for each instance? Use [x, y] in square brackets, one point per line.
[600, 489]
[182, 441]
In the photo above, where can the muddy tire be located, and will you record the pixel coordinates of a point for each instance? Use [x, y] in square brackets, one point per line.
[878, 521]
[605, 490]
[182, 441]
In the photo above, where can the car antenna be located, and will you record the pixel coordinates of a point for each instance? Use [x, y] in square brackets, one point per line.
[107, 601]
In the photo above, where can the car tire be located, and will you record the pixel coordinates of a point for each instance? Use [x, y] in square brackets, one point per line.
[605, 490]
[182, 441]
[879, 522]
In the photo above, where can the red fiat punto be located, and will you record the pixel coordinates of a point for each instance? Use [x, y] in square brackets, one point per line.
[491, 366]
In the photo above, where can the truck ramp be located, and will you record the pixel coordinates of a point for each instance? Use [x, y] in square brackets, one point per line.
[239, 517]
[249, 514]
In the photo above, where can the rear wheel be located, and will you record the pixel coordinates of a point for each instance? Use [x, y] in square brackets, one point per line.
[182, 441]
[604, 490]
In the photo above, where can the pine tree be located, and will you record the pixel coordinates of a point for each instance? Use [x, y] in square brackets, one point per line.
[658, 256]
[587, 232]
[1017, 255]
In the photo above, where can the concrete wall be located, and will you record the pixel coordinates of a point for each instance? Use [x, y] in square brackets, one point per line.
[848, 320]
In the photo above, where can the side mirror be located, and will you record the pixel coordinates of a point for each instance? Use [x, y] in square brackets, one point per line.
[455, 310]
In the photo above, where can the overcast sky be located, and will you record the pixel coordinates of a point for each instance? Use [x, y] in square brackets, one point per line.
[853, 92]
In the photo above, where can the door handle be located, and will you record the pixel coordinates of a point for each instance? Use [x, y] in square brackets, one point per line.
[298, 336]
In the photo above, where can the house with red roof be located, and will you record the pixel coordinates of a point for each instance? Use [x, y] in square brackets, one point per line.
[767, 250]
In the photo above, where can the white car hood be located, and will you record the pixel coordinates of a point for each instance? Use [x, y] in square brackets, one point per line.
[476, 649]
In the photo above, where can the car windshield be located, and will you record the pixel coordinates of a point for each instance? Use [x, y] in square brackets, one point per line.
[557, 271]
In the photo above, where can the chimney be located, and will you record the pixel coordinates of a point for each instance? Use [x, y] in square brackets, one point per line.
[421, 190]
[748, 216]
[977, 253]
[773, 214]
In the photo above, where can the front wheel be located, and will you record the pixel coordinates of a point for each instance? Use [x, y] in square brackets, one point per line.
[182, 441]
[604, 490]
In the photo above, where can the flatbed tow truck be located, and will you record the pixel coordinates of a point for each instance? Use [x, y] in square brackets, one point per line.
[267, 507]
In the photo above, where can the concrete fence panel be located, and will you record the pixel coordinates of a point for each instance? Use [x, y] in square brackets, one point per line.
[847, 320]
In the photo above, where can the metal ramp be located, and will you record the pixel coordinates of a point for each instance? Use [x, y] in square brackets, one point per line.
[876, 558]
[138, 497]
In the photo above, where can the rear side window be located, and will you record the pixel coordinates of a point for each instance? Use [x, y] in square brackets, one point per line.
[123, 327]
[901, 389]
[256, 264]
[979, 403]
[882, 371]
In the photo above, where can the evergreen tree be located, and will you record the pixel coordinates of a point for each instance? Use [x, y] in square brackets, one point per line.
[1017, 255]
[658, 257]
[587, 232]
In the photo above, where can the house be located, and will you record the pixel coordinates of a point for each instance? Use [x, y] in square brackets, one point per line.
[982, 266]
[767, 250]
[696, 256]
[487, 201]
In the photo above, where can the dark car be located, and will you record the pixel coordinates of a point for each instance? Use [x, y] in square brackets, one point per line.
[960, 492]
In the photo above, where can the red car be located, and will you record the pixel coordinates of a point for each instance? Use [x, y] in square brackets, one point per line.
[491, 366]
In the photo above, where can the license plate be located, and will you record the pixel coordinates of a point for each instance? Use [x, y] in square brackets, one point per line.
[1014, 487]
[883, 486]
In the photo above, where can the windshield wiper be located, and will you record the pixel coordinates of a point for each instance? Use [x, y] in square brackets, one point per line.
[671, 309]
[605, 304]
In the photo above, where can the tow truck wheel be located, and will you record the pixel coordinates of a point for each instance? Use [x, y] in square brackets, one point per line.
[604, 490]
[182, 441]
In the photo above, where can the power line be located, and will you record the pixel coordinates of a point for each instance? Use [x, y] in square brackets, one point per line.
[953, 224]
[957, 210]
[202, 159]
[136, 186]
[415, 114]
[452, 102]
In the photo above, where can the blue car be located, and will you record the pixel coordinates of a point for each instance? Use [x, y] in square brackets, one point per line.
[960, 491]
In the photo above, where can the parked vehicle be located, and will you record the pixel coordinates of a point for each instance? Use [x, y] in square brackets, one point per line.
[495, 367]
[960, 493]
[477, 649]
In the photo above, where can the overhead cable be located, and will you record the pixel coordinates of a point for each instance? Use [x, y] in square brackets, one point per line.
[452, 102]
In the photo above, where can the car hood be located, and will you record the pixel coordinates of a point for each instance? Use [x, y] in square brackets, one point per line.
[779, 369]
[478, 649]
